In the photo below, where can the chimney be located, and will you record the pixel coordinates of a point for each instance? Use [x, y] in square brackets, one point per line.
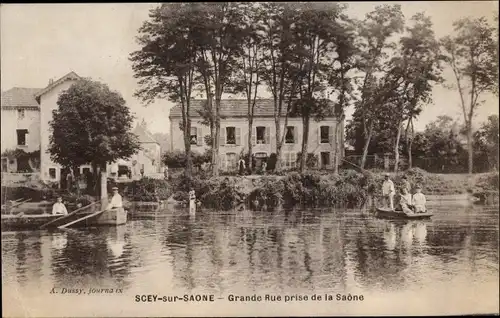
[51, 81]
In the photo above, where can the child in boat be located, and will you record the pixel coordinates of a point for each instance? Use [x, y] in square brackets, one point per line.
[419, 200]
[405, 201]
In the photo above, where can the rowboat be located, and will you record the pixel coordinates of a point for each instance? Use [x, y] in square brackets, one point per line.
[399, 214]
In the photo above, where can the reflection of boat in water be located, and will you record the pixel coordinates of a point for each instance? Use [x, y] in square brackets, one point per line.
[395, 214]
[390, 237]
[59, 240]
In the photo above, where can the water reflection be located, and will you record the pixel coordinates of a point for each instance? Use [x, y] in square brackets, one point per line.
[302, 250]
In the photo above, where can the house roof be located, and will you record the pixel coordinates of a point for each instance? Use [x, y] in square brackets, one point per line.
[70, 76]
[20, 97]
[30, 97]
[143, 135]
[234, 108]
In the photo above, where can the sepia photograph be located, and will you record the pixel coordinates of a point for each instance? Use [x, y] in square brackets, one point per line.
[249, 159]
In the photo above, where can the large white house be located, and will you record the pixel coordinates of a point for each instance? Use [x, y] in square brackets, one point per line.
[234, 134]
[26, 113]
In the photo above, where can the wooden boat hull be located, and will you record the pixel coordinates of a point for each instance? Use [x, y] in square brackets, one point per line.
[394, 214]
[26, 222]
[34, 222]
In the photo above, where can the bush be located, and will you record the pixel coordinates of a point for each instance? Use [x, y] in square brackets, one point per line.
[36, 195]
[149, 190]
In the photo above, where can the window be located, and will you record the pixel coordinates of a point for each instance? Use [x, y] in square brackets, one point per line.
[52, 173]
[193, 136]
[21, 137]
[324, 134]
[261, 135]
[20, 114]
[85, 171]
[231, 160]
[290, 135]
[230, 135]
[289, 160]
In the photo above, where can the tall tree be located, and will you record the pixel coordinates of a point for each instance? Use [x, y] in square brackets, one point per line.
[417, 67]
[316, 27]
[375, 40]
[471, 53]
[281, 64]
[340, 78]
[166, 62]
[248, 75]
[219, 39]
[92, 125]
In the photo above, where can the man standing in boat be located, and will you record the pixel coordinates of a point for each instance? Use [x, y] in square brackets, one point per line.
[116, 200]
[388, 191]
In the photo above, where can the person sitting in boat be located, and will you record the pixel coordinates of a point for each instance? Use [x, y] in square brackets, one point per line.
[405, 202]
[419, 200]
[116, 200]
[59, 207]
[388, 191]
[405, 183]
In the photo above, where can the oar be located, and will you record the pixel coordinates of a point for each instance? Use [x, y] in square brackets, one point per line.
[19, 203]
[67, 215]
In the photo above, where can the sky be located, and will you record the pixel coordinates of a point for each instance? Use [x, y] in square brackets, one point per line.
[46, 41]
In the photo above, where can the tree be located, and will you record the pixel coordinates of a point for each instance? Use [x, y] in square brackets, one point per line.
[471, 53]
[248, 75]
[416, 67]
[281, 64]
[316, 25]
[166, 62]
[340, 80]
[91, 126]
[219, 40]
[375, 34]
[486, 142]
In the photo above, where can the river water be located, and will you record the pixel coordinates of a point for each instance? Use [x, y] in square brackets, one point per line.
[446, 265]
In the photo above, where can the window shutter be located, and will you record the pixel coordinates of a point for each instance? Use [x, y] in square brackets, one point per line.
[318, 136]
[267, 134]
[331, 137]
[237, 136]
[199, 136]
[222, 137]
[254, 132]
[295, 134]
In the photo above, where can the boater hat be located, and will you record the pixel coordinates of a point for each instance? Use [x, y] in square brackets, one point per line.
[114, 188]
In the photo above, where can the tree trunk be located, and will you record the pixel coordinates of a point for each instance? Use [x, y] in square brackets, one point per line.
[470, 147]
[188, 171]
[94, 181]
[396, 149]
[365, 148]
[250, 145]
[337, 150]
[104, 182]
[305, 138]
[410, 159]
[215, 151]
[277, 166]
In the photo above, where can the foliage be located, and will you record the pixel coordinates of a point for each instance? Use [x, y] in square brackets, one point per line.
[486, 143]
[311, 161]
[91, 125]
[26, 161]
[149, 190]
[35, 194]
[177, 159]
[472, 54]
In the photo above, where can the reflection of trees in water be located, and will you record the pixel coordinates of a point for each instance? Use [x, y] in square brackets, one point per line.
[272, 250]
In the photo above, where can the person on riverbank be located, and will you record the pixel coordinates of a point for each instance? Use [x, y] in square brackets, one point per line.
[405, 201]
[419, 200]
[59, 207]
[192, 202]
[388, 192]
[116, 201]
[241, 166]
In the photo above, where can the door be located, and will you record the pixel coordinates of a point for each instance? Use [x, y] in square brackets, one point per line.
[325, 160]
